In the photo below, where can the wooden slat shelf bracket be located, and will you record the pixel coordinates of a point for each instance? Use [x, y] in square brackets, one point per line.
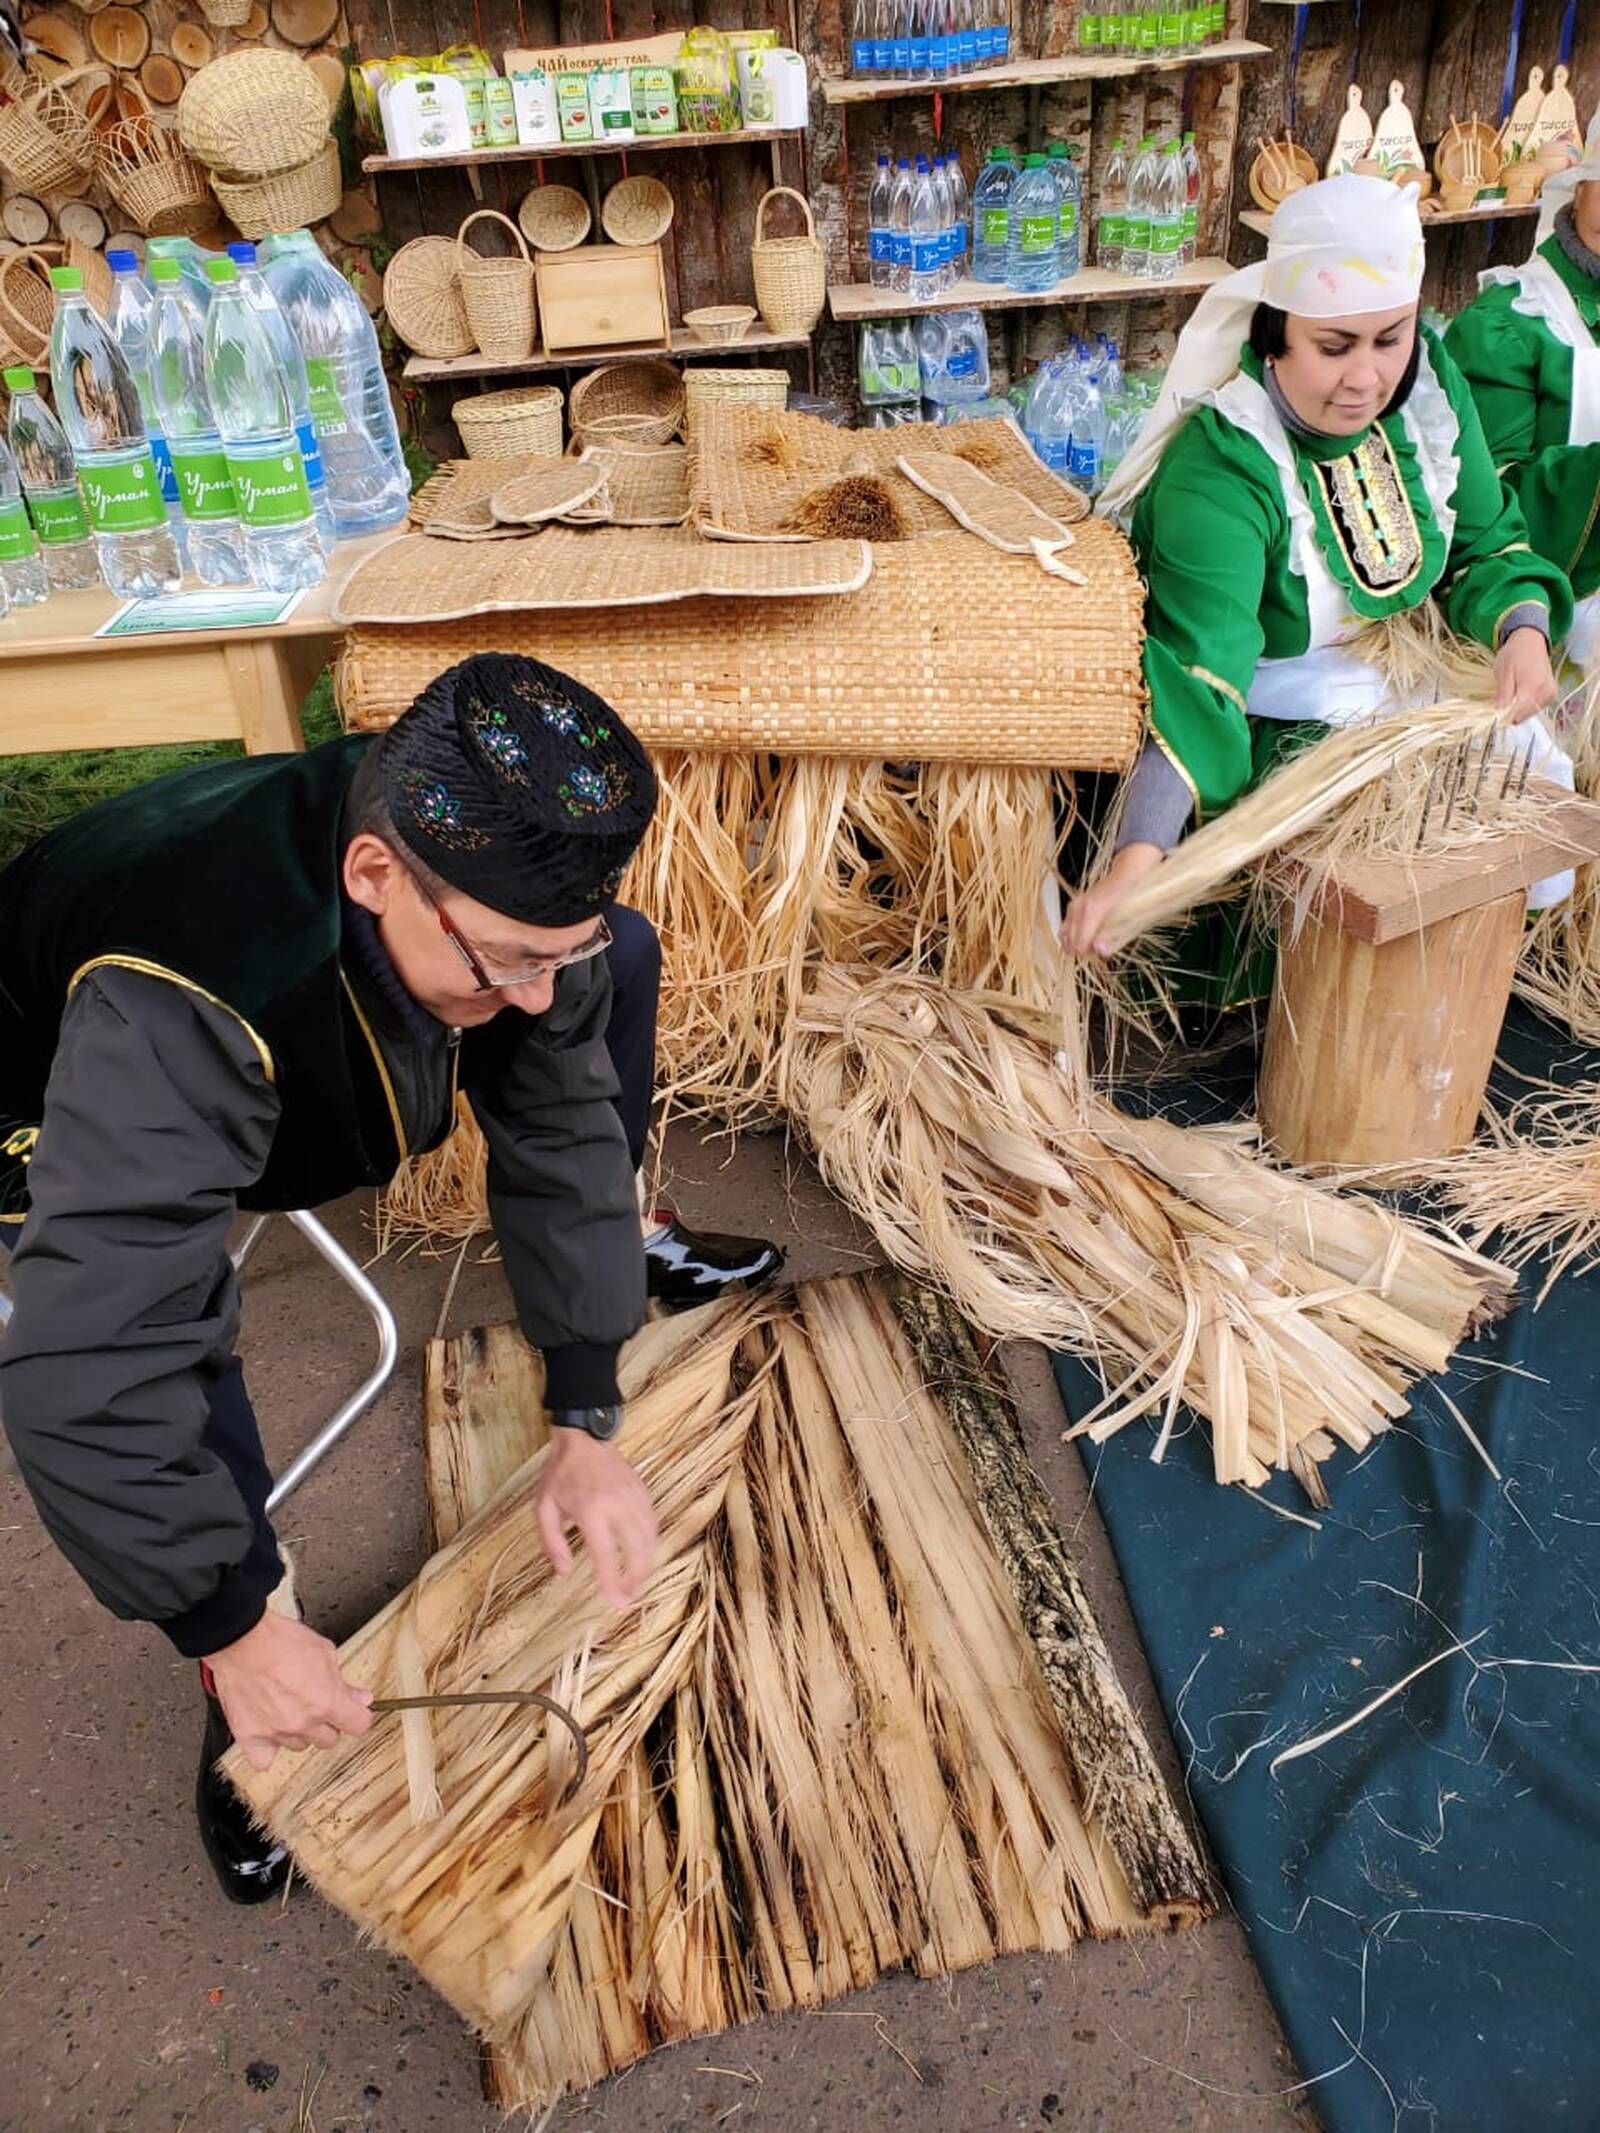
[852, 301]
[1035, 73]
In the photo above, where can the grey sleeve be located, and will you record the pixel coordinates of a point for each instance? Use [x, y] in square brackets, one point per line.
[1158, 804]
[561, 1187]
[158, 1110]
[1528, 615]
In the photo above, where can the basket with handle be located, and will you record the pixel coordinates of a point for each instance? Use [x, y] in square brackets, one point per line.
[289, 200]
[790, 272]
[27, 305]
[507, 424]
[639, 401]
[161, 190]
[497, 294]
[47, 140]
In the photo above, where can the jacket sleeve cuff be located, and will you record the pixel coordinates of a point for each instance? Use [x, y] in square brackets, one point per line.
[228, 1613]
[581, 1374]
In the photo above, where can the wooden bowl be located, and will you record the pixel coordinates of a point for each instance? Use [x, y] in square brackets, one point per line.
[1455, 150]
[1268, 173]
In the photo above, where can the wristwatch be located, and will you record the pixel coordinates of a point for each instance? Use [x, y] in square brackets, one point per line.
[601, 1423]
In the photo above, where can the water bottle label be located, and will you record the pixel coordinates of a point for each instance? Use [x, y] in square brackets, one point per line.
[985, 35]
[901, 255]
[940, 57]
[205, 484]
[902, 55]
[995, 224]
[1196, 23]
[164, 470]
[1138, 237]
[1069, 219]
[1149, 33]
[1002, 42]
[1055, 452]
[962, 363]
[921, 56]
[926, 254]
[16, 535]
[880, 247]
[1172, 29]
[1166, 237]
[883, 55]
[966, 51]
[1219, 17]
[123, 496]
[1038, 235]
[1090, 30]
[1113, 232]
[312, 456]
[272, 490]
[1083, 463]
[59, 520]
[1191, 224]
[863, 56]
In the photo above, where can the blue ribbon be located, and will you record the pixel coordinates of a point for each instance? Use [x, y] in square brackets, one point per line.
[1301, 16]
[1569, 23]
[1513, 52]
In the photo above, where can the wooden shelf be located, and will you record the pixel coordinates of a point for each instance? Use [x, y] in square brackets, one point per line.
[642, 144]
[423, 369]
[1032, 73]
[1254, 218]
[850, 301]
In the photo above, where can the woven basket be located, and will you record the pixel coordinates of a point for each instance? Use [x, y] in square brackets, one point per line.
[161, 190]
[422, 296]
[636, 402]
[721, 325]
[225, 14]
[292, 200]
[98, 281]
[790, 272]
[47, 142]
[554, 218]
[743, 388]
[254, 114]
[27, 304]
[638, 211]
[505, 425]
[497, 294]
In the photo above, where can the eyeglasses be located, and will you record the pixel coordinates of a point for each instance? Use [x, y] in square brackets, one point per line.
[529, 973]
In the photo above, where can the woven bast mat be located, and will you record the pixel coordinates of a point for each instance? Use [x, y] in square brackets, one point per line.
[420, 578]
[995, 512]
[753, 470]
[863, 1717]
[646, 485]
[552, 491]
[950, 653]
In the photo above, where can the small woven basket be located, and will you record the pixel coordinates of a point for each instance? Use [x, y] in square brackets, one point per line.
[98, 281]
[637, 211]
[635, 402]
[422, 297]
[743, 388]
[47, 141]
[554, 218]
[254, 114]
[27, 305]
[162, 191]
[291, 200]
[497, 294]
[504, 425]
[721, 325]
[790, 272]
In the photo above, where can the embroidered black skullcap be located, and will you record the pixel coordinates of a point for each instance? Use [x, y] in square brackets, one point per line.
[519, 787]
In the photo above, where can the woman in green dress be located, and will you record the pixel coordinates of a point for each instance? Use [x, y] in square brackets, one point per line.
[1529, 347]
[1314, 464]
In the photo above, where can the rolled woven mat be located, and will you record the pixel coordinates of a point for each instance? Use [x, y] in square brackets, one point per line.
[417, 578]
[950, 653]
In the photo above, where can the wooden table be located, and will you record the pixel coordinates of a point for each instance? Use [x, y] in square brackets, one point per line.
[63, 687]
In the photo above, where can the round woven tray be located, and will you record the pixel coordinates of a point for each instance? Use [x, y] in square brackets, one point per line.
[422, 297]
[503, 425]
[721, 325]
[638, 211]
[554, 218]
[292, 200]
[253, 114]
[640, 401]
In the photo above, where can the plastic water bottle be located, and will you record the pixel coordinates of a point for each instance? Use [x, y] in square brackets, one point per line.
[50, 483]
[253, 407]
[953, 355]
[927, 237]
[1086, 419]
[1191, 202]
[965, 20]
[357, 435]
[883, 22]
[193, 262]
[902, 38]
[21, 564]
[960, 218]
[1136, 230]
[900, 228]
[104, 424]
[880, 233]
[1169, 28]
[1031, 229]
[132, 308]
[999, 32]
[178, 387]
[991, 197]
[257, 293]
[947, 221]
[863, 51]
[1046, 419]
[941, 40]
[1069, 212]
[1112, 231]
[920, 37]
[1166, 214]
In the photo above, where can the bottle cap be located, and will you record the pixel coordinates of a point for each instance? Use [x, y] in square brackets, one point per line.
[67, 281]
[220, 271]
[19, 379]
[242, 255]
[165, 271]
[1056, 148]
[1033, 161]
[121, 262]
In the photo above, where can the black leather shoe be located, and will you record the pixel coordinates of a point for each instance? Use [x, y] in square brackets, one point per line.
[250, 1865]
[685, 1266]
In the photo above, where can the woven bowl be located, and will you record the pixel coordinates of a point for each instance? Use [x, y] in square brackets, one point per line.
[254, 114]
[637, 211]
[720, 325]
[292, 200]
[554, 218]
[506, 424]
[422, 297]
[639, 401]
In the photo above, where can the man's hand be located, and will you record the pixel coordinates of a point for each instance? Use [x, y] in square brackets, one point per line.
[1083, 930]
[280, 1687]
[1524, 680]
[591, 1486]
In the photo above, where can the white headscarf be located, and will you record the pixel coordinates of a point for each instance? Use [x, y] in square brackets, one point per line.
[1345, 248]
[1557, 191]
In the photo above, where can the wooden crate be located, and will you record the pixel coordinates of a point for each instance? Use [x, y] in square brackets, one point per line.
[603, 296]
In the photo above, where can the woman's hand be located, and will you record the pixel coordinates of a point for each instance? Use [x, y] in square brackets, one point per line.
[1089, 914]
[590, 1485]
[1524, 680]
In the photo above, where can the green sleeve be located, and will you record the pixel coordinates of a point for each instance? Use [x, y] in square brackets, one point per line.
[1501, 355]
[1491, 568]
[1204, 529]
